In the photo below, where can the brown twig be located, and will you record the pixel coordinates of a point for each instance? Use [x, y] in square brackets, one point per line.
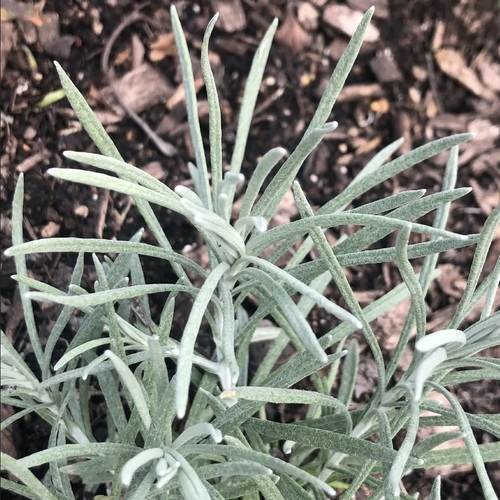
[103, 210]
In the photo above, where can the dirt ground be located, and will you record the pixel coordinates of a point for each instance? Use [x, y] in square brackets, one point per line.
[428, 69]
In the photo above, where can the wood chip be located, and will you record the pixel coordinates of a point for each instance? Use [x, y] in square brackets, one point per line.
[450, 280]
[483, 129]
[385, 68]
[485, 198]
[437, 39]
[346, 20]
[441, 318]
[381, 7]
[419, 73]
[48, 31]
[231, 46]
[140, 88]
[231, 15]
[488, 162]
[81, 211]
[155, 169]
[360, 91]
[368, 146]
[286, 212]
[368, 296]
[402, 126]
[490, 74]
[8, 40]
[451, 122]
[123, 56]
[307, 16]
[138, 51]
[162, 47]
[7, 441]
[453, 64]
[32, 161]
[367, 378]
[335, 49]
[291, 34]
[50, 230]
[30, 133]
[389, 325]
[431, 108]
[179, 95]
[12, 9]
[49, 37]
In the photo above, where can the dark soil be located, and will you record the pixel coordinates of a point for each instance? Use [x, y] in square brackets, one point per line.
[405, 83]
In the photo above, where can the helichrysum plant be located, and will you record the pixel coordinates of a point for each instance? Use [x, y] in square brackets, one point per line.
[224, 448]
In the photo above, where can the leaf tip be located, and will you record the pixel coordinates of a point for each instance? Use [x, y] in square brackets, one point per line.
[59, 365]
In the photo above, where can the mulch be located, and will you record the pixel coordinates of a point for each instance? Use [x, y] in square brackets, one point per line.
[428, 69]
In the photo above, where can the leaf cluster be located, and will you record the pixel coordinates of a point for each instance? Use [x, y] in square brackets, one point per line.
[225, 448]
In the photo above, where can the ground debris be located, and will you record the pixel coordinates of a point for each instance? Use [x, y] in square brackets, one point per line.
[346, 20]
[307, 16]
[231, 15]
[140, 89]
[452, 63]
[385, 68]
[416, 98]
[381, 7]
[292, 35]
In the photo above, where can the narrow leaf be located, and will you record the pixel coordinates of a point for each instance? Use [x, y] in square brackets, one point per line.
[185, 362]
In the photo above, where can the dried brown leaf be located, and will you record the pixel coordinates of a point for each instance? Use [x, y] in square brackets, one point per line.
[162, 47]
[292, 35]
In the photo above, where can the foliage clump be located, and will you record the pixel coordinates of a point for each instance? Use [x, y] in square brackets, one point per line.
[225, 447]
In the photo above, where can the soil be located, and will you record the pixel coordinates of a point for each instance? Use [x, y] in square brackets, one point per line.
[431, 68]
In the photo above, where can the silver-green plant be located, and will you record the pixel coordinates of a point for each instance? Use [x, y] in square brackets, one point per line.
[225, 447]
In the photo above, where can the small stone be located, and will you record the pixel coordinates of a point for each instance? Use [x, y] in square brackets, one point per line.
[30, 133]
[81, 211]
[50, 230]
